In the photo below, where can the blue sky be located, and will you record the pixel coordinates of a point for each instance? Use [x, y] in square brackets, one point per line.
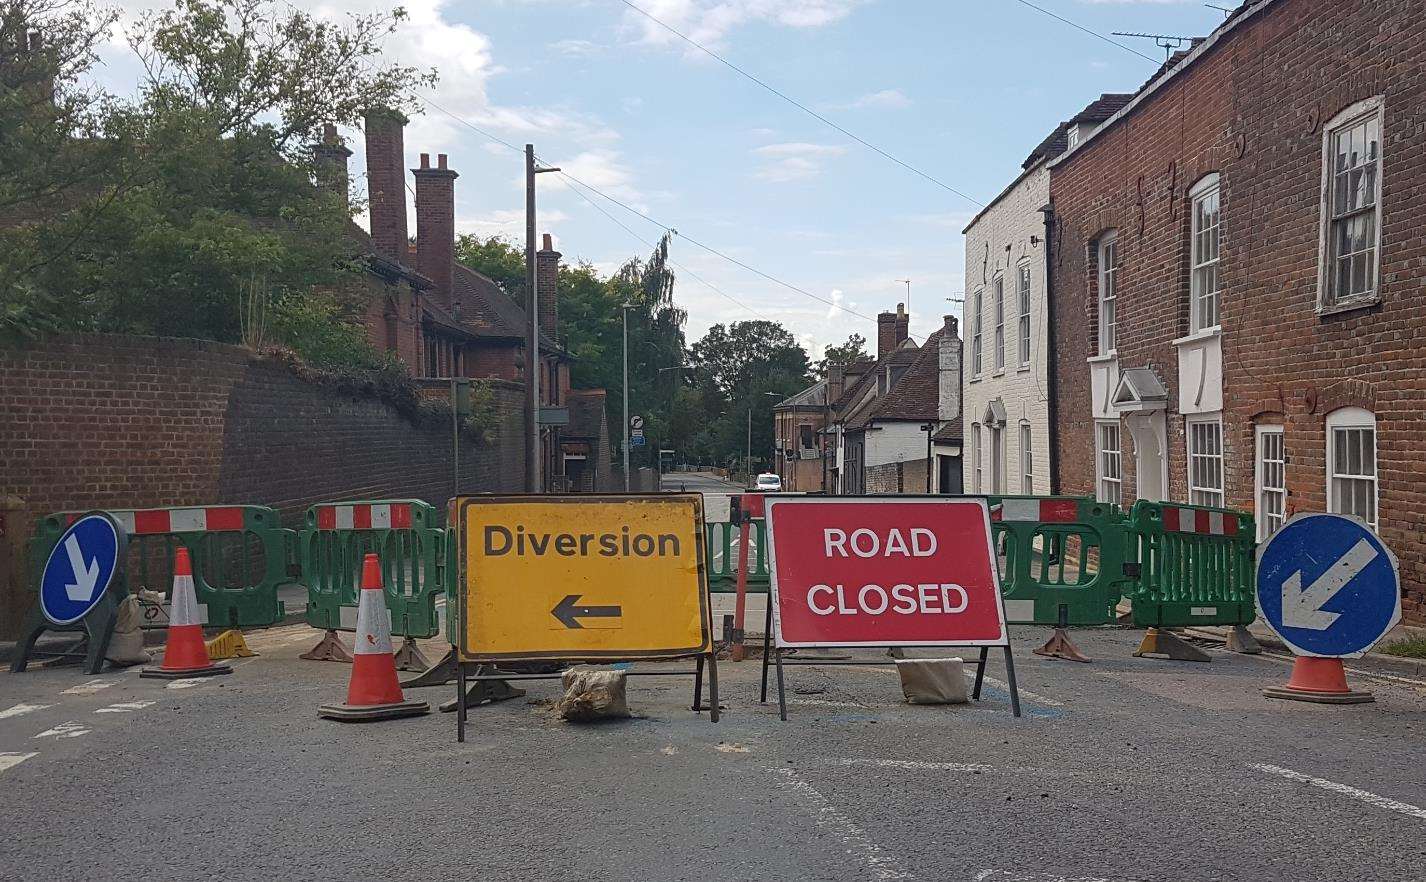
[962, 90]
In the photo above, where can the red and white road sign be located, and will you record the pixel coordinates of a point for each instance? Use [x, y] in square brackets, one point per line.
[883, 572]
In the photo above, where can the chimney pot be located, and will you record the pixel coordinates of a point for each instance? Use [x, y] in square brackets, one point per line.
[425, 160]
[435, 226]
[441, 160]
[547, 245]
[386, 182]
[547, 263]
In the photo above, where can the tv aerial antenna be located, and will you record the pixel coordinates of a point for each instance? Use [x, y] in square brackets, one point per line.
[1166, 42]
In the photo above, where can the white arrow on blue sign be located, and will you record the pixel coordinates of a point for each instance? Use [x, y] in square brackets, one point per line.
[80, 568]
[1328, 586]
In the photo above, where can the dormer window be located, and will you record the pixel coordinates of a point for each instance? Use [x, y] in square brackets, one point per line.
[1072, 136]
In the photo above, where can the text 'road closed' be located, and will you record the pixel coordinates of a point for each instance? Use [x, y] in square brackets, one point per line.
[883, 572]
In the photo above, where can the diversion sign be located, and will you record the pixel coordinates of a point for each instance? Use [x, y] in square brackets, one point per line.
[582, 577]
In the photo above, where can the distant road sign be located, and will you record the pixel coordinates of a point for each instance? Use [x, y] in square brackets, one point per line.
[636, 422]
[582, 577]
[80, 568]
[1328, 586]
[636, 438]
[883, 572]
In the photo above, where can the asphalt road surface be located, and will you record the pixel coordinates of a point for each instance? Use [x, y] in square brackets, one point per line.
[700, 482]
[1124, 769]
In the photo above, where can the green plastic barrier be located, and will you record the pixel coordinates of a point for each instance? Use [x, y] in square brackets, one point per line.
[1196, 565]
[722, 563]
[1058, 551]
[240, 555]
[403, 533]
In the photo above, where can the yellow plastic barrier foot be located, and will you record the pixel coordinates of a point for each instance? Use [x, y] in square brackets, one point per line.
[329, 648]
[1061, 646]
[229, 644]
[1165, 644]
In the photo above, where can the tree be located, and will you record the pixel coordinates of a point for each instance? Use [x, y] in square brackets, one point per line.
[850, 352]
[210, 203]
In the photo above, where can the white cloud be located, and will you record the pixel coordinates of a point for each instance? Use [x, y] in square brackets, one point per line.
[577, 48]
[886, 99]
[709, 21]
[793, 161]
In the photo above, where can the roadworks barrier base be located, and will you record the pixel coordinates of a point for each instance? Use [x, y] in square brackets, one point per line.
[229, 644]
[1159, 643]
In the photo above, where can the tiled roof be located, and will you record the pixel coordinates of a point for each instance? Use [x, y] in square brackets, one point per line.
[813, 396]
[951, 431]
[902, 355]
[1097, 111]
[915, 395]
[490, 310]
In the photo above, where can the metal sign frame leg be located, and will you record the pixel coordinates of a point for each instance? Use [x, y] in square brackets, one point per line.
[767, 650]
[980, 672]
[781, 692]
[711, 660]
[460, 702]
[1010, 680]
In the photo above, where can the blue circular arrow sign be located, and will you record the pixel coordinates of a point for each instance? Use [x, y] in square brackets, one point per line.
[1328, 586]
[80, 568]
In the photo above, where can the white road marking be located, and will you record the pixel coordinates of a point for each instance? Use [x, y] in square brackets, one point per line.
[125, 707]
[10, 759]
[918, 766]
[186, 683]
[88, 688]
[71, 729]
[20, 710]
[1017, 876]
[1383, 802]
[823, 702]
[854, 838]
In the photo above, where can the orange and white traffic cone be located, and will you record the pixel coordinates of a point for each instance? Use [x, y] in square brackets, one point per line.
[1320, 680]
[184, 654]
[373, 692]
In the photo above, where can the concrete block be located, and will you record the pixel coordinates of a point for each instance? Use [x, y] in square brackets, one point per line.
[933, 680]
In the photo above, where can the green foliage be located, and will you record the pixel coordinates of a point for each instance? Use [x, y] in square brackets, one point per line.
[198, 187]
[496, 257]
[1407, 647]
[852, 351]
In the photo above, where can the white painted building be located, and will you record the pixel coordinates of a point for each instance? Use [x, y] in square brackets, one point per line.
[1007, 389]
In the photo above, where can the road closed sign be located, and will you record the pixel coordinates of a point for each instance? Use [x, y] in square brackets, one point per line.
[883, 572]
[582, 577]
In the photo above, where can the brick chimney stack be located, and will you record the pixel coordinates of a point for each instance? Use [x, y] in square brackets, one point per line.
[948, 400]
[547, 261]
[436, 224]
[891, 329]
[386, 182]
[330, 157]
[903, 323]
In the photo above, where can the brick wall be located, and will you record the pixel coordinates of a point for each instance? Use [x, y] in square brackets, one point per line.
[128, 422]
[1252, 108]
[897, 477]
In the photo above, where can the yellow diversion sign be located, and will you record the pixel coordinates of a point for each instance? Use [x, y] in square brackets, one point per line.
[582, 577]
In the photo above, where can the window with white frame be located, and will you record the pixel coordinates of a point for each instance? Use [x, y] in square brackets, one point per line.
[1072, 136]
[975, 457]
[1270, 480]
[999, 323]
[1027, 462]
[1023, 301]
[1205, 462]
[1351, 204]
[1351, 464]
[1109, 463]
[1108, 291]
[1203, 309]
[976, 339]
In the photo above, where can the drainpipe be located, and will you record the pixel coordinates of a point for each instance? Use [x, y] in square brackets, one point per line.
[1050, 355]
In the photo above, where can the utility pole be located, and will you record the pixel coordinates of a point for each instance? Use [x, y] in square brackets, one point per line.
[624, 308]
[532, 348]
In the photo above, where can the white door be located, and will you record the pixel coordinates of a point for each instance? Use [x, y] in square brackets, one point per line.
[1150, 458]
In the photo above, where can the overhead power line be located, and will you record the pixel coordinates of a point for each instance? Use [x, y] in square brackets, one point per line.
[799, 105]
[1079, 27]
[669, 228]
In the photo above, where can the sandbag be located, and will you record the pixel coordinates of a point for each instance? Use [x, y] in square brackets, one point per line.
[126, 647]
[933, 680]
[591, 695]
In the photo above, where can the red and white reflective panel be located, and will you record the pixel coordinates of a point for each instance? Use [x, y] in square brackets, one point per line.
[883, 572]
[373, 624]
[1047, 511]
[1191, 520]
[365, 516]
[149, 521]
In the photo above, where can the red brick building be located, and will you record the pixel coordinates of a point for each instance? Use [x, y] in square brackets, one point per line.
[1238, 269]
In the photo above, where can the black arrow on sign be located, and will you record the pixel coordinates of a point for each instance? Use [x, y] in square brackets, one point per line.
[569, 612]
